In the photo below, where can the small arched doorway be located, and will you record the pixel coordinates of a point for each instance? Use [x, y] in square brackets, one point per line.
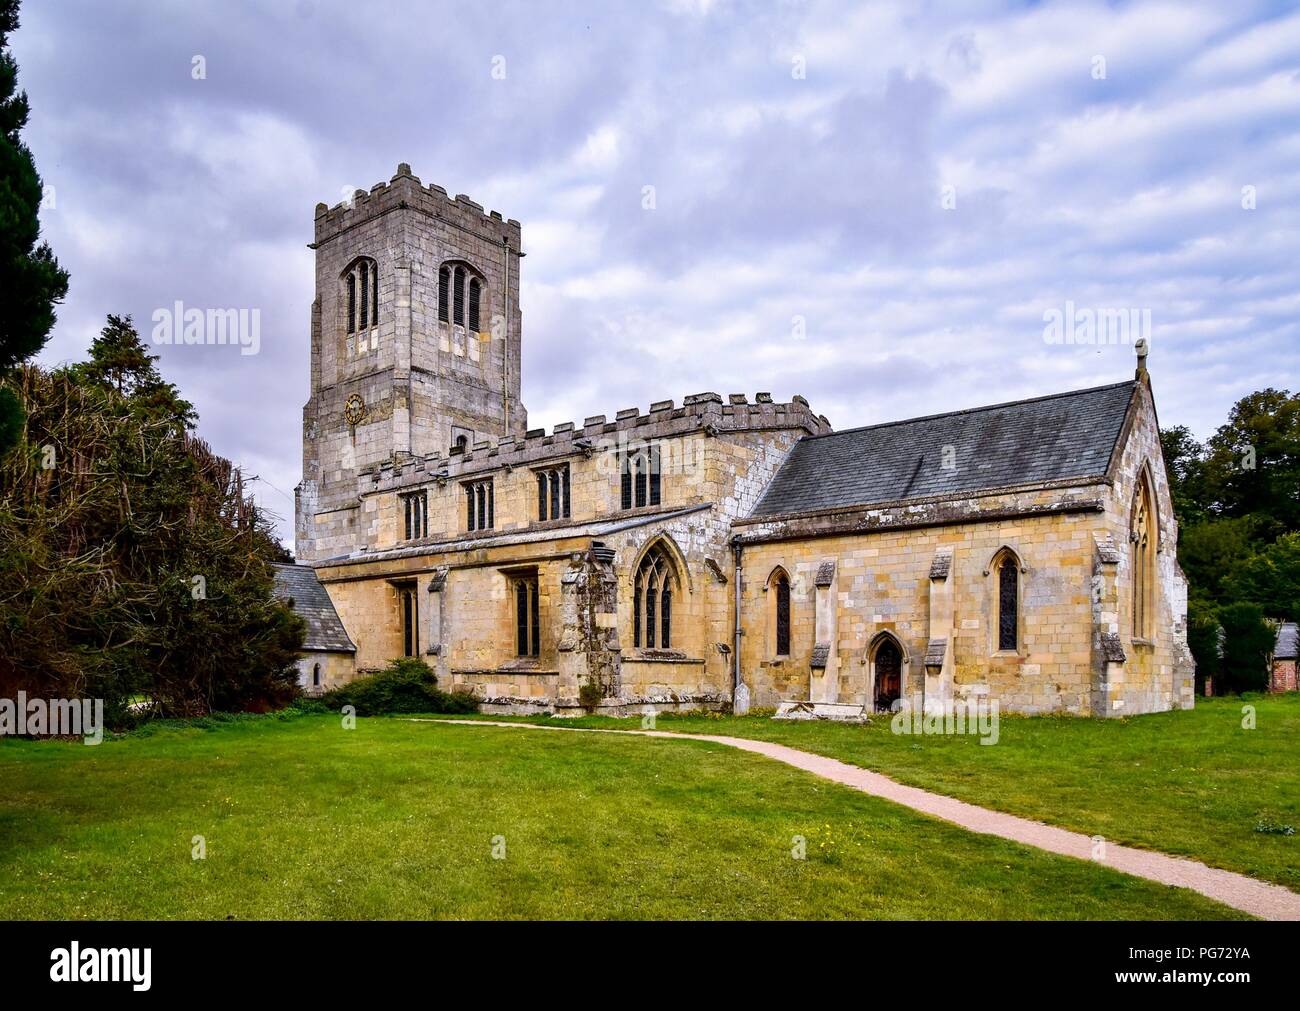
[889, 675]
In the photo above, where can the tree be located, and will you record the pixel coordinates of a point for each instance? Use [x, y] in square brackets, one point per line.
[30, 277]
[1271, 579]
[131, 561]
[1247, 645]
[1185, 468]
[120, 361]
[1252, 463]
[1210, 552]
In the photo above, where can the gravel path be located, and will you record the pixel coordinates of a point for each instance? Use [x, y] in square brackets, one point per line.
[1259, 898]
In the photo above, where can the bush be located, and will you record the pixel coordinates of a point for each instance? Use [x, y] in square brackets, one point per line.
[590, 696]
[1247, 644]
[406, 685]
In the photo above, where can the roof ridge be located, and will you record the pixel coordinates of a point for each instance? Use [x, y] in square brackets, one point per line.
[970, 410]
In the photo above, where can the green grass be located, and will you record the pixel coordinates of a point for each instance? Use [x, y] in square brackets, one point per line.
[396, 820]
[1191, 783]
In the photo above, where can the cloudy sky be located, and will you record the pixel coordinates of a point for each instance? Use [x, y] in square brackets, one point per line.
[871, 205]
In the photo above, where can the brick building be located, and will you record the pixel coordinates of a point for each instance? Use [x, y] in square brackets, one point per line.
[1024, 552]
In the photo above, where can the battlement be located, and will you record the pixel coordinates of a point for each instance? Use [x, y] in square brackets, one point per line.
[704, 413]
[405, 191]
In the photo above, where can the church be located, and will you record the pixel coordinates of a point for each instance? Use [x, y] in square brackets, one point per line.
[724, 550]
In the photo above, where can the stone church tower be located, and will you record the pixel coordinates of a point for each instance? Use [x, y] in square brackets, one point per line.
[415, 345]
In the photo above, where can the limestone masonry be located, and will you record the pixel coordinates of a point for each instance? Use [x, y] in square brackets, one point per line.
[658, 559]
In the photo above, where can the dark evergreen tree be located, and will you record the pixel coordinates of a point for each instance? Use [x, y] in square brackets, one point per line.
[30, 277]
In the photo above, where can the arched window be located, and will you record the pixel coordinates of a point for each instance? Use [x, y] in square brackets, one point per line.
[1143, 538]
[315, 676]
[361, 295]
[780, 584]
[461, 291]
[1004, 572]
[1008, 604]
[652, 601]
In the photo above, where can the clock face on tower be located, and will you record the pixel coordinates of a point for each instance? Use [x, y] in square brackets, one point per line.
[354, 409]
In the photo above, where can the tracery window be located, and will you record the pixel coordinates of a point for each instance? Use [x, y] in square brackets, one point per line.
[640, 481]
[416, 509]
[480, 509]
[361, 283]
[1143, 538]
[528, 635]
[553, 493]
[652, 601]
[460, 296]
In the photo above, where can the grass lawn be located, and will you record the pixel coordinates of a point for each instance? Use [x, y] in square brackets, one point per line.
[397, 819]
[1191, 783]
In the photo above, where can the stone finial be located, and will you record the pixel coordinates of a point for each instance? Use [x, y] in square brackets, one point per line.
[403, 169]
[1141, 348]
[762, 398]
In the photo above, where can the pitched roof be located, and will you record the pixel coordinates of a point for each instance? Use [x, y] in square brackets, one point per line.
[1066, 435]
[1288, 641]
[312, 603]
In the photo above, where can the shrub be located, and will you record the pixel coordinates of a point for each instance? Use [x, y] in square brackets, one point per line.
[406, 685]
[589, 695]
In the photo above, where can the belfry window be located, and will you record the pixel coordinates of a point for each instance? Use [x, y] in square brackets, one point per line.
[361, 295]
[652, 601]
[553, 493]
[480, 505]
[460, 296]
[639, 477]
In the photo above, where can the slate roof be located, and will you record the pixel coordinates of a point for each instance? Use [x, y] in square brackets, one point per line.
[1066, 435]
[1288, 641]
[325, 632]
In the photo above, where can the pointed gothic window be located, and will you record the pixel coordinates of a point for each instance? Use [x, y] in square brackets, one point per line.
[782, 615]
[528, 634]
[1008, 604]
[458, 296]
[359, 300]
[1143, 538]
[444, 287]
[652, 601]
[474, 288]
